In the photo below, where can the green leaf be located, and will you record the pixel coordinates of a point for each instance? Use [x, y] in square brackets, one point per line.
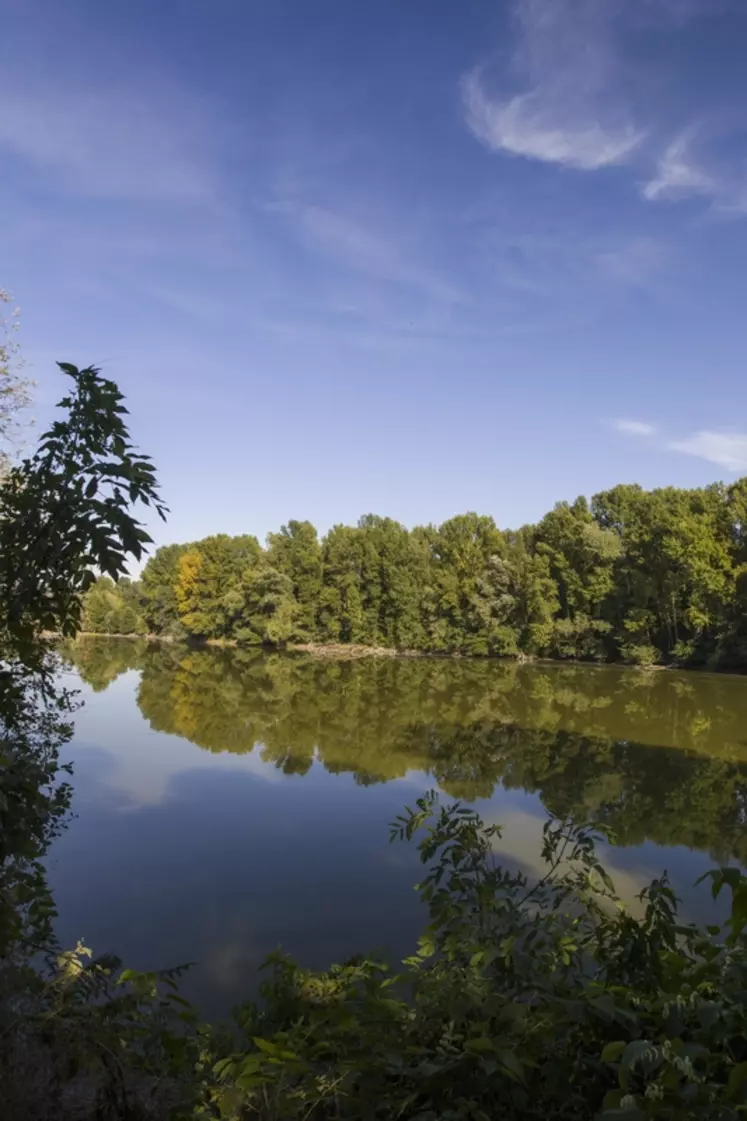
[613, 1051]
[511, 1064]
[480, 1044]
[737, 1083]
[634, 1052]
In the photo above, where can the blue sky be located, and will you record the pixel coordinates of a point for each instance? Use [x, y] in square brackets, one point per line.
[404, 258]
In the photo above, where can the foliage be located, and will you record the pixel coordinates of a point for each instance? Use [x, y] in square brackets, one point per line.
[110, 608]
[158, 591]
[542, 999]
[270, 612]
[65, 512]
[644, 577]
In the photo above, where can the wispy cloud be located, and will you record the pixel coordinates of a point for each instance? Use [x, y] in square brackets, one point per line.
[571, 111]
[682, 173]
[635, 427]
[574, 106]
[677, 173]
[727, 449]
[367, 249]
[116, 144]
[525, 126]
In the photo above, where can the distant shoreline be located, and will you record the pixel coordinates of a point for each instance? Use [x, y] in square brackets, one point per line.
[315, 649]
[340, 651]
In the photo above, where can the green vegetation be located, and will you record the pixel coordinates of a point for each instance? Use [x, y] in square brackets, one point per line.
[542, 999]
[644, 577]
[524, 1000]
[65, 513]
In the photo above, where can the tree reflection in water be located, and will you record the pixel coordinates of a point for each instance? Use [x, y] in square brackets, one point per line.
[657, 756]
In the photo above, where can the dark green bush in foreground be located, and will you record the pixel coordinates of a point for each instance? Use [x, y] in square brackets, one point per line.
[539, 1001]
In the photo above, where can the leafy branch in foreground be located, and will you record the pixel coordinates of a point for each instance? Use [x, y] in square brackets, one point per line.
[65, 513]
[523, 1000]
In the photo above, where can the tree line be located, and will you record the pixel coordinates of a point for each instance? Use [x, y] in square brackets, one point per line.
[645, 577]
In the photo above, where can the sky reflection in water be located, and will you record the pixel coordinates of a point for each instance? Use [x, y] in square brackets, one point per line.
[227, 803]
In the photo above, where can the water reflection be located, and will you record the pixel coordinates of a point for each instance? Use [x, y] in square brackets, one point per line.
[273, 828]
[659, 757]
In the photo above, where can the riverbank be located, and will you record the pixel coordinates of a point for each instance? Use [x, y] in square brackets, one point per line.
[338, 651]
[332, 650]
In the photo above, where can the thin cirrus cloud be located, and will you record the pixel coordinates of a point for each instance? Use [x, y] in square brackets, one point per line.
[677, 173]
[570, 112]
[366, 249]
[635, 427]
[681, 173]
[113, 145]
[727, 449]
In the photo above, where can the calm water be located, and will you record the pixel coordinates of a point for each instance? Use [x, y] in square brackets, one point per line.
[227, 803]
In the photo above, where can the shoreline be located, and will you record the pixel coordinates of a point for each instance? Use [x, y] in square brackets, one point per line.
[340, 651]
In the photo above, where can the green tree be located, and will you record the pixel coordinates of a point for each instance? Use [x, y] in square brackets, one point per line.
[341, 609]
[270, 611]
[208, 585]
[110, 608]
[393, 574]
[158, 586]
[639, 576]
[463, 552]
[296, 552]
[674, 577]
[581, 556]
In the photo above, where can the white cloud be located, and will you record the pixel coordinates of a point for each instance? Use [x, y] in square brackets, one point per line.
[114, 144]
[635, 427]
[526, 125]
[677, 174]
[571, 113]
[727, 449]
[680, 174]
[578, 80]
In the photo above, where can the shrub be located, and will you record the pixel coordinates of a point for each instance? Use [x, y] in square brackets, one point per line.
[544, 1000]
[642, 654]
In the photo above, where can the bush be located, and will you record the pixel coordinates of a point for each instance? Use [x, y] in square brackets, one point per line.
[642, 654]
[523, 1001]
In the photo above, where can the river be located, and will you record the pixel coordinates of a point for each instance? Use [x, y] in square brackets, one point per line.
[230, 802]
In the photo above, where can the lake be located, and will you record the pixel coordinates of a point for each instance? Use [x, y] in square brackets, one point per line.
[228, 802]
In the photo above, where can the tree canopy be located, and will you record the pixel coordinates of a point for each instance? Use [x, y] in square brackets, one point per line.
[644, 577]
